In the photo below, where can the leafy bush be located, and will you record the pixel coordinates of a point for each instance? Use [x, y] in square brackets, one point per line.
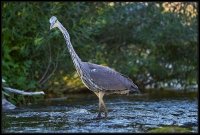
[148, 42]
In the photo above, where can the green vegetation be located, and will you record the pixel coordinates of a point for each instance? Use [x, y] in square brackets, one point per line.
[152, 43]
[170, 129]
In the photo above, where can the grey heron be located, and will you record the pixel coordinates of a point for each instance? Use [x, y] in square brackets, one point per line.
[100, 79]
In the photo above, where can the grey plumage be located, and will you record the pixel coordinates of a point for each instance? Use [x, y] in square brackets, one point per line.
[108, 79]
[99, 79]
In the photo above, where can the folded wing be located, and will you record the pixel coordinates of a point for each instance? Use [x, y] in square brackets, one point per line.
[107, 78]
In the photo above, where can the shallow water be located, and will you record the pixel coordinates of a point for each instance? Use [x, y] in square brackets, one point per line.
[126, 114]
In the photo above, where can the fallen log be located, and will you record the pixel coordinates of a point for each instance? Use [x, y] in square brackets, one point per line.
[6, 105]
[16, 91]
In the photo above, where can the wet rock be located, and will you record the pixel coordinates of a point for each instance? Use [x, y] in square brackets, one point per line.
[170, 129]
[7, 105]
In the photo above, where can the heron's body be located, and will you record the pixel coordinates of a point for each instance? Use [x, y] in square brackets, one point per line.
[99, 79]
[105, 79]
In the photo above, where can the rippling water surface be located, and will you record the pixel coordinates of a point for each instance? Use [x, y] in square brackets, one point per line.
[77, 113]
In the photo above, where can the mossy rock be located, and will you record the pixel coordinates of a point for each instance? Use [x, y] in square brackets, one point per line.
[171, 129]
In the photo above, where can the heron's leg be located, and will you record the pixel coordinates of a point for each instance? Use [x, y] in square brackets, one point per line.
[100, 106]
[104, 107]
[101, 103]
[100, 109]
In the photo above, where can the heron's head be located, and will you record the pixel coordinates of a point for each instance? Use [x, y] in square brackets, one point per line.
[53, 22]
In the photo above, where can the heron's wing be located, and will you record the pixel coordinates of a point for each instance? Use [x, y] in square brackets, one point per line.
[107, 78]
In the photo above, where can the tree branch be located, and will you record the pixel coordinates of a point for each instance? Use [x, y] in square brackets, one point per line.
[47, 78]
[40, 81]
[22, 92]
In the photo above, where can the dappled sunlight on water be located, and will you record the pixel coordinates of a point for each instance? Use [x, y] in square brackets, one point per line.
[126, 114]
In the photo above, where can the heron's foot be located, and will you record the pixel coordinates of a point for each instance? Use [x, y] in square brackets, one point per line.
[99, 116]
[106, 114]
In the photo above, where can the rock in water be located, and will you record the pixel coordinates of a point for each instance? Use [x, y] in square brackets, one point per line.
[7, 105]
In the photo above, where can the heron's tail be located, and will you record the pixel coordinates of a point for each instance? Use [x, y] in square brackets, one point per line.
[134, 89]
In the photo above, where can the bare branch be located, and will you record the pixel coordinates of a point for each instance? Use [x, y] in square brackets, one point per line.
[47, 78]
[16, 91]
[55, 67]
[47, 66]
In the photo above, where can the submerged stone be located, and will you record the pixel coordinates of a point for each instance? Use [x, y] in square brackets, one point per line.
[170, 129]
[7, 105]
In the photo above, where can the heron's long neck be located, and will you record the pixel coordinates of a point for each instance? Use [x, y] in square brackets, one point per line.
[76, 60]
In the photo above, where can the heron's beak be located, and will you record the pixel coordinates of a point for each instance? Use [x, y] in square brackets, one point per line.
[51, 26]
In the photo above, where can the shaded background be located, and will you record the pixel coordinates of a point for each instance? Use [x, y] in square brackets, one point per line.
[155, 44]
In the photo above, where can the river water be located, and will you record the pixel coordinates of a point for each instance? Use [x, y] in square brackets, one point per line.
[76, 114]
